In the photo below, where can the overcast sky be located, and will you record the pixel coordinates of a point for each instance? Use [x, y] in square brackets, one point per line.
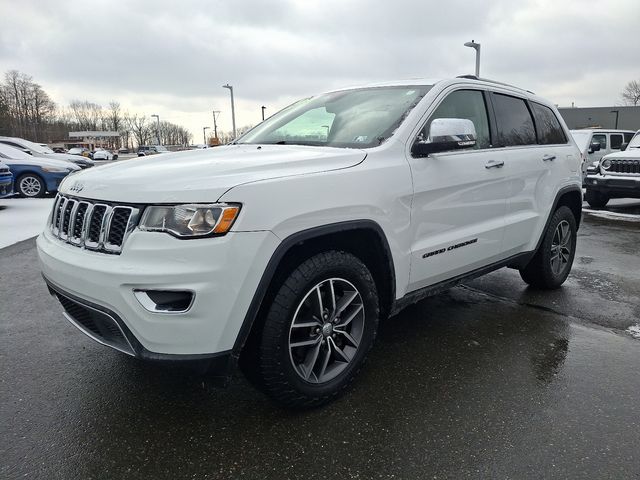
[172, 57]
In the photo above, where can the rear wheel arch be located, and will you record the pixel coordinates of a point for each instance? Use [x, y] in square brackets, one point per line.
[364, 239]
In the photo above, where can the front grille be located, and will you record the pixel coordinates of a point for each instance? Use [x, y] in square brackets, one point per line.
[624, 166]
[95, 226]
[97, 324]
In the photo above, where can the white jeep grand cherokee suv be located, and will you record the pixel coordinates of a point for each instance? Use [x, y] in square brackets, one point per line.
[282, 251]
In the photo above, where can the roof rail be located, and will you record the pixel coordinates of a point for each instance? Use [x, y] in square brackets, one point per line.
[473, 77]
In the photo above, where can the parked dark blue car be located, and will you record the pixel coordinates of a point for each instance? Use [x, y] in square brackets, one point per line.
[33, 176]
[6, 180]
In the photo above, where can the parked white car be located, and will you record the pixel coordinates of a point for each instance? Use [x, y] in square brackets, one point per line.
[103, 154]
[42, 151]
[596, 143]
[283, 250]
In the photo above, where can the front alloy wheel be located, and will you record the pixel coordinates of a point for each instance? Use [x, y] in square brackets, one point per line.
[319, 326]
[30, 186]
[326, 330]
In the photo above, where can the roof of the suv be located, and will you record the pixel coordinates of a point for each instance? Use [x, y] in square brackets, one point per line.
[600, 130]
[434, 81]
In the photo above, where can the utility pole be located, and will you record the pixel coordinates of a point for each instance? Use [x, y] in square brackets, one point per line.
[204, 134]
[157, 128]
[617, 112]
[233, 109]
[476, 47]
[263, 109]
[215, 125]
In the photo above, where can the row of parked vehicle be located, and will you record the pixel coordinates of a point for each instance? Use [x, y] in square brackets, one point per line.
[32, 169]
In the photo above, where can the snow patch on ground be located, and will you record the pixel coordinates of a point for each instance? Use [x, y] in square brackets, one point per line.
[630, 217]
[634, 331]
[22, 218]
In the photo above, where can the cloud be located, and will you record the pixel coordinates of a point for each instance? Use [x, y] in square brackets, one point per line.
[172, 57]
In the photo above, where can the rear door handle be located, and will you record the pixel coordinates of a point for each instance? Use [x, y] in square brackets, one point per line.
[548, 158]
[494, 164]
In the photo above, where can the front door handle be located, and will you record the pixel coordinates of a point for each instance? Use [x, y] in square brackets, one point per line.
[548, 158]
[494, 164]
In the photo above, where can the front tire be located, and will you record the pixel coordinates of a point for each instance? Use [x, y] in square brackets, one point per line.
[31, 185]
[318, 330]
[596, 199]
[551, 264]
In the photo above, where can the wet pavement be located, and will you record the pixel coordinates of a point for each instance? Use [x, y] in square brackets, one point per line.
[488, 380]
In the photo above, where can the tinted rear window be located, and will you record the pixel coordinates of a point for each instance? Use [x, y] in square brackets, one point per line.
[514, 122]
[547, 125]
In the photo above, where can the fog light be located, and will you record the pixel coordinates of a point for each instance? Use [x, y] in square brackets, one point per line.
[165, 301]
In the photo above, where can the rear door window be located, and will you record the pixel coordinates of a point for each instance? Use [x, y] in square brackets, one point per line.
[616, 141]
[547, 125]
[514, 121]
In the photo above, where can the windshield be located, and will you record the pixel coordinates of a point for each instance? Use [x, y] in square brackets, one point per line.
[635, 141]
[581, 138]
[360, 118]
[35, 147]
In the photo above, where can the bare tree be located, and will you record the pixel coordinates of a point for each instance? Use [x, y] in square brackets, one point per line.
[87, 115]
[140, 129]
[631, 93]
[25, 108]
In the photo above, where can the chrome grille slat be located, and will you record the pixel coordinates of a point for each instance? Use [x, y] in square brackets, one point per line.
[626, 167]
[96, 226]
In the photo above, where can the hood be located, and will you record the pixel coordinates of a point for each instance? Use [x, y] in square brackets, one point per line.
[203, 175]
[70, 158]
[42, 162]
[629, 154]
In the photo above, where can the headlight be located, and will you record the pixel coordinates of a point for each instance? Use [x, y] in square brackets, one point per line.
[56, 169]
[606, 163]
[190, 221]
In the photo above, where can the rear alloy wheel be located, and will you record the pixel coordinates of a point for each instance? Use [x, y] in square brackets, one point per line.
[596, 199]
[318, 330]
[551, 264]
[31, 186]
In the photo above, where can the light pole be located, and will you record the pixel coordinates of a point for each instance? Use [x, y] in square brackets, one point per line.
[263, 109]
[157, 128]
[233, 109]
[617, 112]
[204, 134]
[475, 46]
[215, 125]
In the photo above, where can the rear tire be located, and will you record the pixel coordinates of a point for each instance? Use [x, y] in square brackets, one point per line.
[317, 331]
[596, 199]
[30, 185]
[551, 264]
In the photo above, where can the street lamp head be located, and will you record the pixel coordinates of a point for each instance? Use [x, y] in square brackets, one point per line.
[472, 44]
[227, 86]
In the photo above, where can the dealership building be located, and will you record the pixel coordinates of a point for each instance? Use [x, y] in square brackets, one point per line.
[623, 118]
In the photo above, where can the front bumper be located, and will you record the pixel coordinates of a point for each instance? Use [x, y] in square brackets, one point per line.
[615, 185]
[6, 186]
[223, 272]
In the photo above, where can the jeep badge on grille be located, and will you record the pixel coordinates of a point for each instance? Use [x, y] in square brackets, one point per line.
[76, 187]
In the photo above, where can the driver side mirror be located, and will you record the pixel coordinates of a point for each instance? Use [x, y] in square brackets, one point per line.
[594, 147]
[624, 146]
[446, 134]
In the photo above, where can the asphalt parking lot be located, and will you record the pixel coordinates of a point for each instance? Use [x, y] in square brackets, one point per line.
[488, 380]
